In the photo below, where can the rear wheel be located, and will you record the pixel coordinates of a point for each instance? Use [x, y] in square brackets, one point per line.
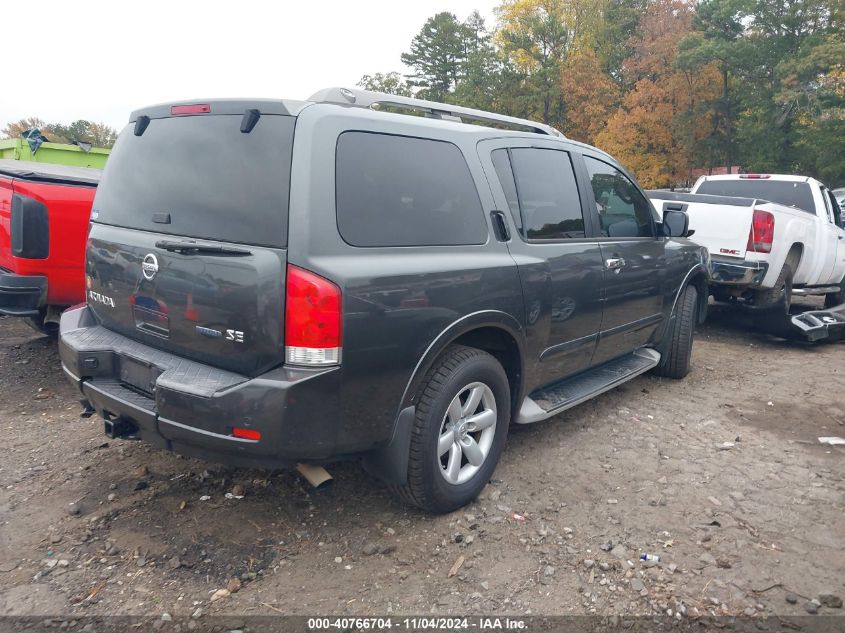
[677, 357]
[837, 298]
[462, 418]
[721, 294]
[778, 297]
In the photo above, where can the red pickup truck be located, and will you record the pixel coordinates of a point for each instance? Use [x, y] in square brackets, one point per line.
[44, 214]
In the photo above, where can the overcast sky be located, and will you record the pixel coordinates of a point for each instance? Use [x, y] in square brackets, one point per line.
[98, 60]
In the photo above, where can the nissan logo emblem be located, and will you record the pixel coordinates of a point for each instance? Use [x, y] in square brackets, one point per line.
[149, 266]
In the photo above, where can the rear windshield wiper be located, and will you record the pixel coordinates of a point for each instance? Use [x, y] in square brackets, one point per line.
[205, 249]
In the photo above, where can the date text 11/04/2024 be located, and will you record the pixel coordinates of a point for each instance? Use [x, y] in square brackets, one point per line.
[417, 624]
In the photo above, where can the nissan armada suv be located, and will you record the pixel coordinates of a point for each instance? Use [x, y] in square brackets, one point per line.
[276, 282]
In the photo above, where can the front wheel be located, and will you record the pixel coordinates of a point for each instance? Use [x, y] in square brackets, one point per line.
[677, 354]
[462, 419]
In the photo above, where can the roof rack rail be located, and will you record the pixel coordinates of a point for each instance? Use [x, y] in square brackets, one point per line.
[367, 99]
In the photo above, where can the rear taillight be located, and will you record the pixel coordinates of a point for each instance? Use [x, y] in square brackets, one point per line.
[762, 232]
[313, 319]
[29, 228]
[755, 176]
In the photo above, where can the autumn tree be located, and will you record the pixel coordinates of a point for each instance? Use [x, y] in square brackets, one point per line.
[811, 90]
[591, 96]
[391, 83]
[665, 85]
[536, 36]
[479, 84]
[718, 39]
[98, 134]
[14, 129]
[615, 33]
[437, 55]
[662, 117]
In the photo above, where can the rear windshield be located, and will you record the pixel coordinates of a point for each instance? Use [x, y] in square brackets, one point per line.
[791, 194]
[204, 176]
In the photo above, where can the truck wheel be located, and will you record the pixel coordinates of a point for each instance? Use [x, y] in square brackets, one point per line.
[837, 298]
[676, 360]
[780, 296]
[461, 423]
[722, 295]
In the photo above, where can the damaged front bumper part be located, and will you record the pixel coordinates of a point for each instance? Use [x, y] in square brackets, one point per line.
[813, 326]
[818, 325]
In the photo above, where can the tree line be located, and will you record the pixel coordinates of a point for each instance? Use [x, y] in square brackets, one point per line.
[98, 134]
[669, 87]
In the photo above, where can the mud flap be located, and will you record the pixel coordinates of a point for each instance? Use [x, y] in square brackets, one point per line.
[390, 463]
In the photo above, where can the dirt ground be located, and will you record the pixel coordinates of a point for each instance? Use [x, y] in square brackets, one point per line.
[93, 526]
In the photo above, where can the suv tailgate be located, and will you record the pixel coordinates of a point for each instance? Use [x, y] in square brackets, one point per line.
[187, 249]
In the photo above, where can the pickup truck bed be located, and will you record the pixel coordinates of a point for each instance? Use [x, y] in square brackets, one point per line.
[44, 214]
[722, 224]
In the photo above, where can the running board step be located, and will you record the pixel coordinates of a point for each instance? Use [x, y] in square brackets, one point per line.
[548, 402]
[815, 290]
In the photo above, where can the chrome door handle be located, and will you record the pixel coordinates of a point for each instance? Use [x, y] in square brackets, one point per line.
[615, 263]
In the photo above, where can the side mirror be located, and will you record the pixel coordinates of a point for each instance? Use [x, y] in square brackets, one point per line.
[675, 223]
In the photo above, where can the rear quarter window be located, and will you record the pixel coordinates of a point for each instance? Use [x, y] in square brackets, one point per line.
[404, 191]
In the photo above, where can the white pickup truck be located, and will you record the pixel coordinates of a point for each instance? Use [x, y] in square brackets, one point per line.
[770, 237]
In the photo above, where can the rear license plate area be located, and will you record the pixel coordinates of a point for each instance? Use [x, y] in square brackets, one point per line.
[138, 375]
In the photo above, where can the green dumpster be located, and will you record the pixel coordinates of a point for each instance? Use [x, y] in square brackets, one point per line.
[56, 153]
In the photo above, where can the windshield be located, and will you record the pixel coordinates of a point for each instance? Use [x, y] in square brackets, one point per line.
[791, 194]
[201, 177]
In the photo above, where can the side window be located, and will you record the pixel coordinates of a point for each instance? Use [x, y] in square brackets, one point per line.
[827, 205]
[836, 209]
[403, 191]
[547, 194]
[622, 209]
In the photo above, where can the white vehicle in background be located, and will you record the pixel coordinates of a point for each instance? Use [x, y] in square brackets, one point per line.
[770, 237]
[839, 194]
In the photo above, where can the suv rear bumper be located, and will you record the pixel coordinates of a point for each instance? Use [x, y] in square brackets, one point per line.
[191, 408]
[22, 295]
[737, 272]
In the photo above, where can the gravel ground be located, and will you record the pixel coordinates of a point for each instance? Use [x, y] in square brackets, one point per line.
[721, 475]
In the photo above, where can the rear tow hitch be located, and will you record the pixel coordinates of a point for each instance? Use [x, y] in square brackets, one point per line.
[119, 428]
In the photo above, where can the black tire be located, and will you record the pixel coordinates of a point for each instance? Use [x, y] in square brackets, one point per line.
[677, 358]
[721, 295]
[458, 368]
[780, 296]
[837, 298]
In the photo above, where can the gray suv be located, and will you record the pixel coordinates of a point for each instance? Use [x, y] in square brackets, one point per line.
[274, 282]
